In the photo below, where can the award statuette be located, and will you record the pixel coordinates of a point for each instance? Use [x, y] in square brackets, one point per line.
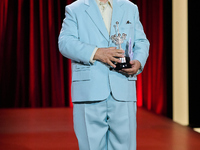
[118, 39]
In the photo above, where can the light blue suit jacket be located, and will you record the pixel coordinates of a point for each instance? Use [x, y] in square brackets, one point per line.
[83, 29]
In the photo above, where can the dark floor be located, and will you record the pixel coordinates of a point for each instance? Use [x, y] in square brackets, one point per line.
[52, 129]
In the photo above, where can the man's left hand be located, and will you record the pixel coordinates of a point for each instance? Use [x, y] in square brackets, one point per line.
[134, 69]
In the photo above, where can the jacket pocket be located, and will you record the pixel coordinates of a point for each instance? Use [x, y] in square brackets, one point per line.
[132, 78]
[81, 76]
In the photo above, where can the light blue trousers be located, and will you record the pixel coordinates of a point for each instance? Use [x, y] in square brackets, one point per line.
[105, 125]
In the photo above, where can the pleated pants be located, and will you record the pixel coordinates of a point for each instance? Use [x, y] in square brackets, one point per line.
[105, 125]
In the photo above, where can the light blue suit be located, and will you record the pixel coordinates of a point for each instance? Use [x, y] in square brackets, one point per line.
[83, 29]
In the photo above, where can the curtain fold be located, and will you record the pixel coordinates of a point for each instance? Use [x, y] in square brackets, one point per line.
[153, 94]
[34, 74]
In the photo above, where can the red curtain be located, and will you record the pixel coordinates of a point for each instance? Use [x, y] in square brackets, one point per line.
[34, 74]
[32, 71]
[151, 84]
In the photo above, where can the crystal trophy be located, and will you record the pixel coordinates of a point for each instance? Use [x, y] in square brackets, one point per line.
[118, 39]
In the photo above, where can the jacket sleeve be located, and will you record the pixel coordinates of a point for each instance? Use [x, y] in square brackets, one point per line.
[69, 44]
[141, 44]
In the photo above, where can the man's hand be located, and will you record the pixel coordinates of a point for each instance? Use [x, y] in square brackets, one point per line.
[108, 55]
[134, 69]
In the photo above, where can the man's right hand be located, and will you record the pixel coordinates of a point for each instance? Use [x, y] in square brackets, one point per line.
[108, 55]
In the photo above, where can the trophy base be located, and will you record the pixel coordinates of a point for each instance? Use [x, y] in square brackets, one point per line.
[120, 66]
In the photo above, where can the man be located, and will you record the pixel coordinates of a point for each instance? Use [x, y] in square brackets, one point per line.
[104, 100]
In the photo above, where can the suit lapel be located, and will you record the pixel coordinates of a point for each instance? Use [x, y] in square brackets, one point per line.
[117, 15]
[95, 14]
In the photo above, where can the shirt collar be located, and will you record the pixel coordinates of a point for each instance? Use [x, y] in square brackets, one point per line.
[110, 2]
